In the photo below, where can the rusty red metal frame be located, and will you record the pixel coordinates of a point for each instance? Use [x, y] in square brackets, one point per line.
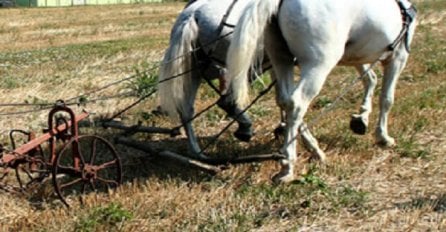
[85, 172]
[21, 151]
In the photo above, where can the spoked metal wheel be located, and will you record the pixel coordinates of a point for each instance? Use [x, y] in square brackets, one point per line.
[86, 164]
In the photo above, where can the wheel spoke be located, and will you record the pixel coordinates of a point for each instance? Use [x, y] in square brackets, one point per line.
[108, 164]
[68, 170]
[63, 167]
[93, 187]
[93, 151]
[108, 181]
[80, 155]
[84, 187]
[75, 181]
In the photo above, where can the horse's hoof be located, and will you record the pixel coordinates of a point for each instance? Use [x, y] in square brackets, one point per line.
[318, 157]
[279, 131]
[357, 125]
[388, 142]
[198, 156]
[286, 174]
[283, 177]
[243, 136]
[159, 112]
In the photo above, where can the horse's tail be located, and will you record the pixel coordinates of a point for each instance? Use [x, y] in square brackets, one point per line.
[242, 51]
[176, 69]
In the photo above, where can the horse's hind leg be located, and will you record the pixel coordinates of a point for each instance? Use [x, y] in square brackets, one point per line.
[293, 99]
[313, 76]
[244, 131]
[226, 102]
[187, 115]
[359, 122]
[280, 129]
[310, 143]
[392, 69]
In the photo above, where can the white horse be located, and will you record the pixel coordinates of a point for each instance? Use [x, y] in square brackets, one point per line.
[320, 35]
[199, 41]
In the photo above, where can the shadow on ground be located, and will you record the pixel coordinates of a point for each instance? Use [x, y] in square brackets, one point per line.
[437, 203]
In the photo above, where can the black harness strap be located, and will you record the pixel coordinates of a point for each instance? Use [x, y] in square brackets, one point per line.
[408, 15]
[189, 3]
[223, 24]
[225, 18]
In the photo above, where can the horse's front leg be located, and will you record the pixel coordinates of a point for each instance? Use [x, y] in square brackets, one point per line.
[359, 122]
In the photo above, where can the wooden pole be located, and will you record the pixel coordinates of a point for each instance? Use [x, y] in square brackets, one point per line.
[212, 169]
[211, 165]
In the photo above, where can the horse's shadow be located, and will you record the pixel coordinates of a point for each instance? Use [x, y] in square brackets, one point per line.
[138, 164]
[437, 204]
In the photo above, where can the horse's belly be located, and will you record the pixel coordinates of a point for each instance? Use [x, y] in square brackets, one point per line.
[366, 50]
[355, 57]
[356, 60]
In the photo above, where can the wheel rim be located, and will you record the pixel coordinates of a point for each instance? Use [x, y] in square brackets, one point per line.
[96, 167]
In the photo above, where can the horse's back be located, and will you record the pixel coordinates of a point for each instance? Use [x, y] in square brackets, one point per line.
[378, 26]
[215, 30]
[359, 29]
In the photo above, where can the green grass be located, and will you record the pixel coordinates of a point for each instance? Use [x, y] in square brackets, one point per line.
[144, 81]
[11, 82]
[78, 52]
[109, 217]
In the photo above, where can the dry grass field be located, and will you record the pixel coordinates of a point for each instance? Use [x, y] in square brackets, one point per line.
[59, 53]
